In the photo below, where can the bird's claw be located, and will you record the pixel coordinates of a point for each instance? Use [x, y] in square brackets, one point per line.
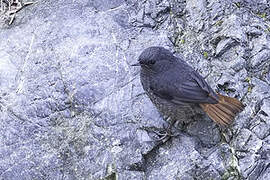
[164, 136]
[161, 135]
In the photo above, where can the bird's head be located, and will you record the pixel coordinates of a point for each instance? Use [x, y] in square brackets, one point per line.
[156, 59]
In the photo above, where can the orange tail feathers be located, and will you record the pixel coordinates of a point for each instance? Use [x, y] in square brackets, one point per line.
[224, 111]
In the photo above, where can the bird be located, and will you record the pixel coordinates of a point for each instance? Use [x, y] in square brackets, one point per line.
[180, 91]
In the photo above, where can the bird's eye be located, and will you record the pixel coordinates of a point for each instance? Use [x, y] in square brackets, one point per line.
[152, 62]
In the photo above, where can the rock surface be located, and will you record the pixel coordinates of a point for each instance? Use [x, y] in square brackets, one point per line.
[72, 107]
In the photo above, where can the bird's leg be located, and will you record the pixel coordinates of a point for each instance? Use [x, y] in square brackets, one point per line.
[166, 134]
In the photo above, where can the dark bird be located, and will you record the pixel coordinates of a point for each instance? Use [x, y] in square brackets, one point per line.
[175, 87]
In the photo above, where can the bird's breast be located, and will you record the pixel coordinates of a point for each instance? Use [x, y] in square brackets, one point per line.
[145, 80]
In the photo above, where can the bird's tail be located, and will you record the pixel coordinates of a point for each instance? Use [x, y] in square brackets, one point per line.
[224, 111]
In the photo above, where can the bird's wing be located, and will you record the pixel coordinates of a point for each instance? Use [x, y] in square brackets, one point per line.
[192, 90]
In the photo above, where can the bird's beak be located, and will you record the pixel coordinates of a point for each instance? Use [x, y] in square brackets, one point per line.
[136, 64]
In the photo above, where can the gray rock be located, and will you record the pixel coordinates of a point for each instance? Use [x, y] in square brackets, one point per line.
[104, 5]
[223, 45]
[72, 107]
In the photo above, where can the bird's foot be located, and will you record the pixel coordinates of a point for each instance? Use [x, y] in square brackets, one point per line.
[164, 135]
[161, 135]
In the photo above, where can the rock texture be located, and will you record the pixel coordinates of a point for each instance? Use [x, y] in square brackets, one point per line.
[72, 107]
